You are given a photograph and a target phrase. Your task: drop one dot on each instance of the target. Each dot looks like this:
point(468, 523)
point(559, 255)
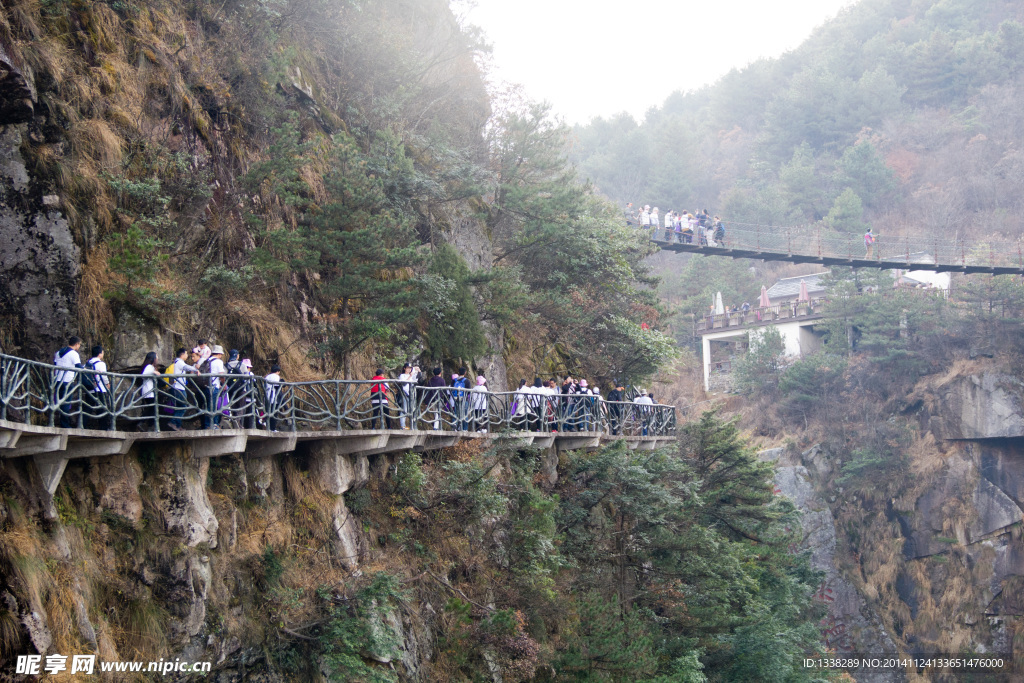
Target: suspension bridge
point(830, 248)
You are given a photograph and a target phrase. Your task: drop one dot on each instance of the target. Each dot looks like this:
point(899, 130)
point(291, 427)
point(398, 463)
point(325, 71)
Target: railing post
point(78, 394)
point(291, 411)
point(156, 405)
point(337, 403)
point(414, 407)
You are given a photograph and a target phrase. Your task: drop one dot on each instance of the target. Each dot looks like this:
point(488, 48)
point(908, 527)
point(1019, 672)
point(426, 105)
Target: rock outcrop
point(987, 405)
point(850, 625)
point(39, 260)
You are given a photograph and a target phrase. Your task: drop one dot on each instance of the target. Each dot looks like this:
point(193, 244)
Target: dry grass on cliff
point(94, 315)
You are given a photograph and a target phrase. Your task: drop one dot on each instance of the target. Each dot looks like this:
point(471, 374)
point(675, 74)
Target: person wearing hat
point(478, 399)
point(586, 403)
point(642, 401)
point(214, 397)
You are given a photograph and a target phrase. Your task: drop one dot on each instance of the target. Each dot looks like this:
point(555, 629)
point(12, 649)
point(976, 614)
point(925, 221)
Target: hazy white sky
point(599, 57)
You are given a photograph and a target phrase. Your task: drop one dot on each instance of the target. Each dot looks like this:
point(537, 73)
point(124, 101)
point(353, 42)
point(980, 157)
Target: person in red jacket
point(379, 401)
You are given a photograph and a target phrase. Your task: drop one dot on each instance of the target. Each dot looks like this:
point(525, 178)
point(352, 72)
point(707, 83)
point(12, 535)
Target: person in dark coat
point(615, 397)
point(434, 397)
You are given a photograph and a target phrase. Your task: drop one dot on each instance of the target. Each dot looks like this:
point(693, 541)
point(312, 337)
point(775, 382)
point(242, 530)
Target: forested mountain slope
point(263, 173)
point(898, 437)
point(901, 114)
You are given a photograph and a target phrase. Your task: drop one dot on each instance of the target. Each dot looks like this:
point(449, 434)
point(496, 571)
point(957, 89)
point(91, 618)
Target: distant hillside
point(902, 114)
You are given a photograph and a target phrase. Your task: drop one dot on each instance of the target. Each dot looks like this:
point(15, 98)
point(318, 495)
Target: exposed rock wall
point(850, 625)
point(188, 536)
point(986, 405)
point(39, 260)
point(958, 569)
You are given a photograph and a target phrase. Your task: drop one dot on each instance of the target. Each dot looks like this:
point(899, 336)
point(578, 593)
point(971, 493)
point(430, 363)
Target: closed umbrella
point(804, 294)
point(719, 308)
point(764, 302)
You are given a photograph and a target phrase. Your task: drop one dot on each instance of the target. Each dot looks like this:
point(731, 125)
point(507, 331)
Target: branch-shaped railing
point(823, 243)
point(39, 393)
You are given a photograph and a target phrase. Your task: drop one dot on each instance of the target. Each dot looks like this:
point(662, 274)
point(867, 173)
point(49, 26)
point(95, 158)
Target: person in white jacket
point(478, 401)
point(642, 401)
point(519, 405)
point(407, 383)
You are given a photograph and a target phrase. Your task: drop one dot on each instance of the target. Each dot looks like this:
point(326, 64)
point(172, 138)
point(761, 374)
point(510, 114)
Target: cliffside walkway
point(354, 416)
point(837, 249)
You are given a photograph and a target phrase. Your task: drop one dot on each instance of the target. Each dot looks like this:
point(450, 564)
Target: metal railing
point(790, 310)
point(39, 393)
point(824, 243)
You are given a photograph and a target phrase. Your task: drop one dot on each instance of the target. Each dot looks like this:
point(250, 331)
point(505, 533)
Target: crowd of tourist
point(574, 405)
point(683, 226)
point(201, 383)
point(218, 389)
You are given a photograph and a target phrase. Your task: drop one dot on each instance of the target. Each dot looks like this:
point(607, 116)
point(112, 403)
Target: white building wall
point(937, 280)
point(797, 336)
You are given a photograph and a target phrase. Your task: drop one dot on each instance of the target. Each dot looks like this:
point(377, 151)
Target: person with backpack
point(102, 408)
point(147, 392)
point(379, 401)
point(869, 244)
point(236, 389)
point(642, 402)
point(273, 382)
point(215, 398)
point(65, 390)
point(719, 235)
point(461, 407)
point(179, 387)
point(586, 405)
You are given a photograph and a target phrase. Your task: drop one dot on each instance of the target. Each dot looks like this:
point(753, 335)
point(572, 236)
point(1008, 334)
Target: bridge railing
point(37, 393)
point(760, 315)
point(831, 244)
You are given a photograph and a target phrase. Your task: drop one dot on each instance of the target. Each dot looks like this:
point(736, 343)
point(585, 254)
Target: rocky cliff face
point(39, 259)
point(939, 567)
point(174, 547)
